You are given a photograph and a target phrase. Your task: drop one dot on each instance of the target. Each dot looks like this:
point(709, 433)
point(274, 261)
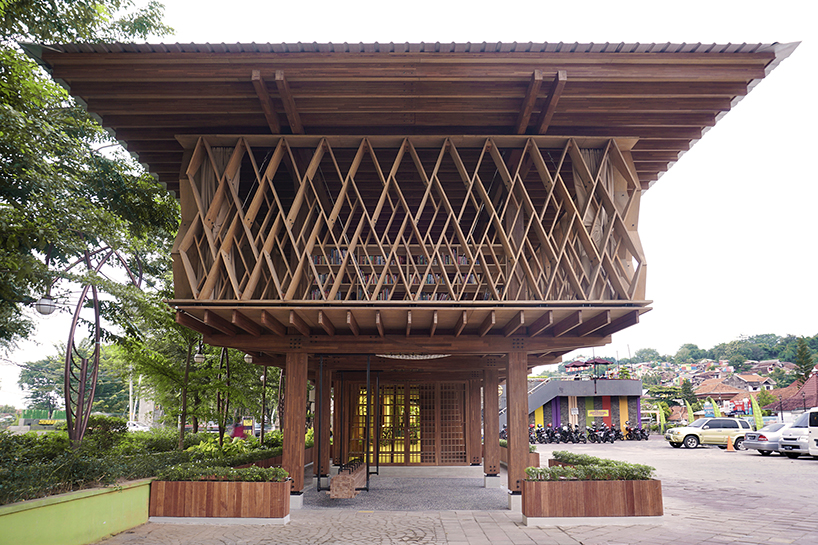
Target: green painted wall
point(76, 518)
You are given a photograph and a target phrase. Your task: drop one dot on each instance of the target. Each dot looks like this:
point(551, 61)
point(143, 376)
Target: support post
point(295, 419)
point(474, 422)
point(517, 420)
point(325, 381)
point(491, 423)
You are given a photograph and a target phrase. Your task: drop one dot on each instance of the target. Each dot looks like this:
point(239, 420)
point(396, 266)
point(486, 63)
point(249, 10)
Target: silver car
point(766, 439)
point(795, 441)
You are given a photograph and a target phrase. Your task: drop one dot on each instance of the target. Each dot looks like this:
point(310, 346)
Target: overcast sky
point(729, 232)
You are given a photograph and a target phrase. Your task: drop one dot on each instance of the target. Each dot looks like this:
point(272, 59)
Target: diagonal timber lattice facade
point(386, 220)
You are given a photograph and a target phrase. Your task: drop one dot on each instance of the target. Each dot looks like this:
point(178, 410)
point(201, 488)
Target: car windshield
point(772, 427)
point(801, 421)
point(698, 423)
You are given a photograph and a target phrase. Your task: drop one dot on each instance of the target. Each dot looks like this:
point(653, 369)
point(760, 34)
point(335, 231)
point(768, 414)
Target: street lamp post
point(804, 399)
point(780, 409)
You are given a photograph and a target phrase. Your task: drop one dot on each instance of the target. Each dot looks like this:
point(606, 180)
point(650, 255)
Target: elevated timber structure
point(408, 225)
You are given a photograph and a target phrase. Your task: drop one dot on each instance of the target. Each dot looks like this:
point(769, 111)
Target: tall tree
point(803, 361)
point(59, 194)
point(646, 354)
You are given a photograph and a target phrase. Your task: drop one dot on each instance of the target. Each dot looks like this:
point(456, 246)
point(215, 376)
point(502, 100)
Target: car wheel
point(738, 444)
point(691, 441)
point(792, 455)
point(765, 452)
point(676, 445)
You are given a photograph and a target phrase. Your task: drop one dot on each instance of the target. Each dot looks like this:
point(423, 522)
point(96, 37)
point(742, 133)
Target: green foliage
point(764, 398)
point(686, 392)
point(504, 444)
point(646, 354)
point(782, 378)
point(613, 471)
point(103, 432)
point(199, 472)
point(666, 394)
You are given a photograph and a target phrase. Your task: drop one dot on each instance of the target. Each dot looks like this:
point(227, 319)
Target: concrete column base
point(492, 481)
point(296, 501)
point(515, 502)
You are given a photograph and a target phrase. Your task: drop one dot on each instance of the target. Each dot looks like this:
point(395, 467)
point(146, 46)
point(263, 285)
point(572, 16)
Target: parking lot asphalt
point(711, 496)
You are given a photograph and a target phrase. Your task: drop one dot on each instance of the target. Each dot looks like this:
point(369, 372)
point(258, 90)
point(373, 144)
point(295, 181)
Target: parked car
point(765, 440)
point(813, 431)
point(709, 431)
point(133, 425)
point(795, 441)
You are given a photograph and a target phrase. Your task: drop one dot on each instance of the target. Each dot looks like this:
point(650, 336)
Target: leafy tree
point(689, 353)
point(666, 394)
point(687, 393)
point(803, 361)
point(647, 354)
point(59, 195)
point(782, 379)
point(42, 382)
point(765, 398)
point(624, 373)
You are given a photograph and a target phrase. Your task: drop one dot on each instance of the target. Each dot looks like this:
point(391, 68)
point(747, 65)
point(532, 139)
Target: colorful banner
point(598, 413)
point(759, 419)
point(690, 417)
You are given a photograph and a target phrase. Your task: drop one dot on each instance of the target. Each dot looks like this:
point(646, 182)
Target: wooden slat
point(514, 324)
point(433, 327)
point(628, 320)
point(266, 102)
point(528, 102)
point(289, 103)
point(218, 323)
point(487, 324)
point(589, 326)
point(189, 321)
point(567, 324)
point(246, 324)
point(379, 323)
point(408, 322)
point(352, 324)
point(325, 323)
point(272, 324)
point(551, 102)
point(462, 321)
point(299, 324)
point(541, 324)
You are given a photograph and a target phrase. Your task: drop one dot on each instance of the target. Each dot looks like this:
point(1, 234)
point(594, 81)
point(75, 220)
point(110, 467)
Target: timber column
point(491, 428)
point(474, 423)
point(295, 422)
point(517, 394)
point(324, 387)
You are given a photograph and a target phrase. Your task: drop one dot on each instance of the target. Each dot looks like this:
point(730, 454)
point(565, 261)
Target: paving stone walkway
point(710, 497)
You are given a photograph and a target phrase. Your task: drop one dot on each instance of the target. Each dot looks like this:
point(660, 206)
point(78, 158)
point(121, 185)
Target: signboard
point(708, 410)
point(598, 412)
point(575, 410)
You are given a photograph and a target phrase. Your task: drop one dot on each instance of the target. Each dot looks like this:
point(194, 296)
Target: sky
point(728, 232)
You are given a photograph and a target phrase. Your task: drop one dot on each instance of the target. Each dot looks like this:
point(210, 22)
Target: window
point(729, 424)
point(813, 419)
point(801, 421)
point(744, 424)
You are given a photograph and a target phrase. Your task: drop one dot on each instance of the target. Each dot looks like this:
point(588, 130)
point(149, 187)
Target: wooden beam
point(488, 323)
point(246, 324)
point(352, 324)
point(541, 324)
point(268, 321)
point(629, 319)
point(185, 319)
point(379, 323)
point(462, 321)
point(433, 327)
point(218, 323)
point(325, 322)
point(266, 102)
point(298, 323)
point(517, 417)
point(514, 324)
point(551, 102)
point(491, 422)
point(289, 103)
point(567, 324)
point(400, 344)
point(408, 322)
point(600, 320)
point(524, 116)
point(295, 399)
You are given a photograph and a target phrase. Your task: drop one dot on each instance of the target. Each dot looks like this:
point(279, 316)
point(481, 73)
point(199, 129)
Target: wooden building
point(408, 225)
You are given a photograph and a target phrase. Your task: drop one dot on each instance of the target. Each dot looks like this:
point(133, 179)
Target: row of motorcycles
point(596, 433)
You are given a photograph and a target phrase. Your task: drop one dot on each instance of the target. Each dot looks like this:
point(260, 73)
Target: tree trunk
point(183, 415)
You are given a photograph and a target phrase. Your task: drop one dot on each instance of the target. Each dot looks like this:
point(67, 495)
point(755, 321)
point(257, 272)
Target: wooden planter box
point(592, 499)
point(220, 499)
point(533, 458)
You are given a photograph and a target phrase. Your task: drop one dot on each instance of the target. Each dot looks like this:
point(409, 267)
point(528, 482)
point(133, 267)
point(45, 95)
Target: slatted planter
point(200, 500)
point(558, 499)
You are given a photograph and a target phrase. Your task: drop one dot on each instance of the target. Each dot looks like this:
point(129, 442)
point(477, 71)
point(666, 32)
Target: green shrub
point(504, 444)
point(309, 438)
point(103, 432)
point(273, 439)
point(589, 468)
point(199, 472)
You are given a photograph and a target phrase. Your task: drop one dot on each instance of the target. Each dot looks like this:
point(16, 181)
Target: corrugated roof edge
point(407, 47)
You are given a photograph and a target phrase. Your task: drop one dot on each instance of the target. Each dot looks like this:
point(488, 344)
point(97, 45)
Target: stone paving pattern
point(710, 497)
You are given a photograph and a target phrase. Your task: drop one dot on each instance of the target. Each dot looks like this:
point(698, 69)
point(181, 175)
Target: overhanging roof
point(667, 95)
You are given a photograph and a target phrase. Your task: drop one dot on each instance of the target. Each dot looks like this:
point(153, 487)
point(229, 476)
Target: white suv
point(795, 440)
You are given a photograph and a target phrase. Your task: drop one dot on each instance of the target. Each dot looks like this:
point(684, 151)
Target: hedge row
point(589, 468)
point(200, 472)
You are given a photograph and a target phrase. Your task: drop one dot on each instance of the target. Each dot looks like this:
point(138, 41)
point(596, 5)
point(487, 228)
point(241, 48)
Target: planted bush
point(589, 468)
point(531, 448)
point(200, 472)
